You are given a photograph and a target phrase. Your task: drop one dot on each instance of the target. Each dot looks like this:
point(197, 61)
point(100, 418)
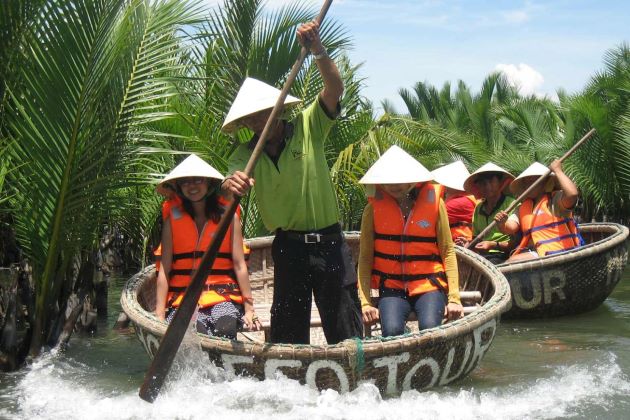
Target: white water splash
point(56, 387)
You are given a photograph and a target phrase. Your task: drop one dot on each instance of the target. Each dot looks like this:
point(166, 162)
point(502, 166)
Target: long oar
point(155, 376)
point(531, 187)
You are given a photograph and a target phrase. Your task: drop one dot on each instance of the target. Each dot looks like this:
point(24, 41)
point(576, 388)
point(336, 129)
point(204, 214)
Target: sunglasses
point(191, 180)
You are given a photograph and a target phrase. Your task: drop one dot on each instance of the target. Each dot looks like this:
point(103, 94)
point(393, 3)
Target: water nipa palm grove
point(102, 101)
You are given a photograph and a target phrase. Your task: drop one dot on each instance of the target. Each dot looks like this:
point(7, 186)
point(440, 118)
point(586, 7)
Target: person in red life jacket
point(406, 250)
point(459, 205)
point(545, 218)
point(488, 184)
point(226, 303)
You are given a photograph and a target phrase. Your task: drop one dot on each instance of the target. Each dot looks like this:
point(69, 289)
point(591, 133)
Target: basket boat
point(570, 282)
point(415, 360)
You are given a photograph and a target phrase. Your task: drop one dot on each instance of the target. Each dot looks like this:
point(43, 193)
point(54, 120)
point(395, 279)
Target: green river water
point(572, 367)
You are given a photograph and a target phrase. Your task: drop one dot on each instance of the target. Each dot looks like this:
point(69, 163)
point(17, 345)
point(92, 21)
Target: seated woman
point(459, 205)
point(487, 184)
point(226, 302)
point(406, 249)
point(545, 218)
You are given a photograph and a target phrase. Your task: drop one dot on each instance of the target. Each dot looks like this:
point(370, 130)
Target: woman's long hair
point(213, 208)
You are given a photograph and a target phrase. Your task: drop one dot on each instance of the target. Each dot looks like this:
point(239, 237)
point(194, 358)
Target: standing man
point(296, 199)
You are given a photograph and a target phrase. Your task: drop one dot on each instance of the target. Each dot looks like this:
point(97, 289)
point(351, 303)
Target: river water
point(574, 367)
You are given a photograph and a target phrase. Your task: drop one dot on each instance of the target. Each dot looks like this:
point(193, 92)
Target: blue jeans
point(393, 311)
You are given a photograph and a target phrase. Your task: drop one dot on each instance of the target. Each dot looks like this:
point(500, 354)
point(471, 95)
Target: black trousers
point(324, 270)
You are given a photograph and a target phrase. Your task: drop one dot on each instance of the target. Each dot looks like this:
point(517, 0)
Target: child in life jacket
point(545, 218)
point(193, 214)
point(487, 184)
point(460, 206)
point(406, 252)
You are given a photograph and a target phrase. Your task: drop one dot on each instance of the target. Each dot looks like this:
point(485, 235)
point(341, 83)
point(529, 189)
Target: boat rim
point(371, 346)
point(619, 235)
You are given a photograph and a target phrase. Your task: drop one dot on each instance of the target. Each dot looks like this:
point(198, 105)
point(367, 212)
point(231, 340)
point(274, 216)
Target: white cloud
point(523, 77)
point(516, 16)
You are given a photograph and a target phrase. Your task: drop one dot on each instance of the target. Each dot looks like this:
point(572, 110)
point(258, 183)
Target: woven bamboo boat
point(570, 282)
point(415, 360)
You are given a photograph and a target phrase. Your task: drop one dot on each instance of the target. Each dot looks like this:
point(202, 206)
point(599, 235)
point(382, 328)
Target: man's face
point(489, 186)
point(256, 122)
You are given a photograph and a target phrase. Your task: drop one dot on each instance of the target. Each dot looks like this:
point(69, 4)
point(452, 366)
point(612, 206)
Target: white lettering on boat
point(272, 365)
point(435, 372)
point(428, 371)
point(149, 341)
point(229, 360)
point(541, 286)
point(481, 345)
point(449, 362)
point(311, 373)
point(391, 362)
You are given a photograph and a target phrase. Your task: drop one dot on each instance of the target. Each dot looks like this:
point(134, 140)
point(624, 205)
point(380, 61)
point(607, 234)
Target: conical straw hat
point(193, 165)
point(528, 176)
point(452, 175)
point(469, 184)
point(252, 97)
point(396, 166)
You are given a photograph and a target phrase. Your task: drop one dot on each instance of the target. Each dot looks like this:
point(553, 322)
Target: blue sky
point(541, 45)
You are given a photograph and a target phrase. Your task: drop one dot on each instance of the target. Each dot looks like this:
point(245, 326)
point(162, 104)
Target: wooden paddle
point(521, 197)
point(163, 359)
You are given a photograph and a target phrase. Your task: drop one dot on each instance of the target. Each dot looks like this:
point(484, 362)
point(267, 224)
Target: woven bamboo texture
point(571, 282)
point(416, 360)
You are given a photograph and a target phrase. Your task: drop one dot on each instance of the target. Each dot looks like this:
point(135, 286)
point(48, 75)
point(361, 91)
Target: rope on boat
point(356, 355)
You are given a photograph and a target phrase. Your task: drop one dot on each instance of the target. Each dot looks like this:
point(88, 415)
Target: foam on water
point(57, 387)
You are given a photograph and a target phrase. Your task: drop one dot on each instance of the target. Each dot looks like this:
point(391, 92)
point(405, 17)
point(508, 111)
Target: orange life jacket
point(464, 228)
point(188, 248)
point(166, 209)
point(406, 253)
point(177, 201)
point(550, 234)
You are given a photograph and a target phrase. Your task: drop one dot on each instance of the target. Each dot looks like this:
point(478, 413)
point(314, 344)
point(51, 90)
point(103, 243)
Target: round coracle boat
point(415, 360)
point(570, 282)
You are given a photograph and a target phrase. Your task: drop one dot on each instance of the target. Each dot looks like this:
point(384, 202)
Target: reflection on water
point(574, 367)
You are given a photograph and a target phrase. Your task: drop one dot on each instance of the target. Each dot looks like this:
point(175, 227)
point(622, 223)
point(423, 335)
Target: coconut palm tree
point(93, 74)
point(602, 167)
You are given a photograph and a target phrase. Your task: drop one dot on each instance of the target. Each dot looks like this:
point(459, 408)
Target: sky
point(541, 46)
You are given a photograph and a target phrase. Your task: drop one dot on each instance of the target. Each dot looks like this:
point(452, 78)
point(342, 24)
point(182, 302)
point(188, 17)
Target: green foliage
point(93, 74)
point(100, 98)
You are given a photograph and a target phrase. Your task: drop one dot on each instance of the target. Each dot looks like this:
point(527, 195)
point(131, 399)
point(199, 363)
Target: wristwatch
point(322, 54)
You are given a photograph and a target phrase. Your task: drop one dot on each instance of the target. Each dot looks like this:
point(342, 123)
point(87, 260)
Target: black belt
point(310, 237)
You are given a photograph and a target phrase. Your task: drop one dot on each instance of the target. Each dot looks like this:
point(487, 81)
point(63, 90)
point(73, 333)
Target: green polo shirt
point(298, 193)
point(481, 220)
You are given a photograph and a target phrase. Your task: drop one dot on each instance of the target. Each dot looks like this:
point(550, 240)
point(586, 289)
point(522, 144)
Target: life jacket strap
point(393, 292)
point(223, 289)
point(548, 225)
point(406, 258)
point(405, 238)
point(218, 287)
point(212, 272)
point(199, 254)
point(557, 239)
point(407, 277)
